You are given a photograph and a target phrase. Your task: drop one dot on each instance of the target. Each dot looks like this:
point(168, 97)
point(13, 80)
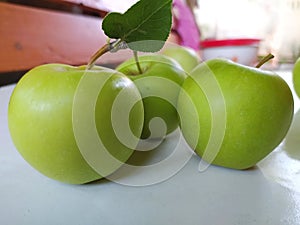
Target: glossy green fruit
point(42, 122)
point(296, 77)
point(159, 85)
point(186, 57)
point(237, 113)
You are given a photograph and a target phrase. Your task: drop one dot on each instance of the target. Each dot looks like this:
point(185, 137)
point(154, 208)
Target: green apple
point(42, 126)
point(185, 56)
point(296, 77)
point(159, 85)
point(238, 113)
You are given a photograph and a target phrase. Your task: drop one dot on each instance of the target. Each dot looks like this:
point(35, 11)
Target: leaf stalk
point(108, 47)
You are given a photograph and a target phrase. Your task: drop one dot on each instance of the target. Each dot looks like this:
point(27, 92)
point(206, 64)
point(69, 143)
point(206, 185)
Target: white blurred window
point(276, 22)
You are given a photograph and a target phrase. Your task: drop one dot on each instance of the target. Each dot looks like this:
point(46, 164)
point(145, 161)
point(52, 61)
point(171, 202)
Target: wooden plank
point(103, 5)
point(30, 37)
point(91, 4)
point(62, 6)
point(86, 6)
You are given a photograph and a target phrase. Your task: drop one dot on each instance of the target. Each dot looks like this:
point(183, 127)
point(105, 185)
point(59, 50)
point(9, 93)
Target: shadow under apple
point(292, 140)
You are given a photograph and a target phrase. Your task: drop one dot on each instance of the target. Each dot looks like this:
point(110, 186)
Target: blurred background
point(275, 23)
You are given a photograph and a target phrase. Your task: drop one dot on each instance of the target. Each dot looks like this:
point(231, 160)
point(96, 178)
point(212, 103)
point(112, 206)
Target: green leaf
point(144, 27)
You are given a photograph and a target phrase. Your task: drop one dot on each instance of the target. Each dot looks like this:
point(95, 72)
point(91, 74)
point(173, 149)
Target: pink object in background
point(185, 25)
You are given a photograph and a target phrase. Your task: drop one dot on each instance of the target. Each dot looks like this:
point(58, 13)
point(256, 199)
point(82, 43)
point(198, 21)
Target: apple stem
point(105, 48)
point(108, 47)
point(264, 60)
point(136, 58)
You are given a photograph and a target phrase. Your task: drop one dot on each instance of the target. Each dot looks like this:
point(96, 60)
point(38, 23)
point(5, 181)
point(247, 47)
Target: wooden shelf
point(31, 36)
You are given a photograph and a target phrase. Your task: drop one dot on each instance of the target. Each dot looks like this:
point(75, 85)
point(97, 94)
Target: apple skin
point(40, 120)
point(156, 66)
point(259, 110)
point(185, 56)
point(296, 77)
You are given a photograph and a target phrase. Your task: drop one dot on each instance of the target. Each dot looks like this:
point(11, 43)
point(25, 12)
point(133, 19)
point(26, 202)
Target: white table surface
point(266, 195)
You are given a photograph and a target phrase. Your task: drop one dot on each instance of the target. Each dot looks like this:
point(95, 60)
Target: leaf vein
point(146, 20)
